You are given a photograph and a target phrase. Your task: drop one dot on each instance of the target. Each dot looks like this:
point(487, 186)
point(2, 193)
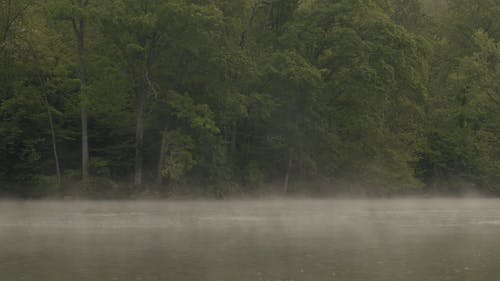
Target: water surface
point(345, 240)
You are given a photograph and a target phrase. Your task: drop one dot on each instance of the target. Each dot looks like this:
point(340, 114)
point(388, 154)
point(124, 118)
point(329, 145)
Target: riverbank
point(102, 188)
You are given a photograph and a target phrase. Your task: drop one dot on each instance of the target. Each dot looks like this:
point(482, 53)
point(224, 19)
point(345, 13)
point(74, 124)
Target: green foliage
point(410, 14)
point(179, 157)
point(390, 95)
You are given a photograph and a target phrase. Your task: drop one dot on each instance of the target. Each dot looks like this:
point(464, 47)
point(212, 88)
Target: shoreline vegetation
point(249, 98)
point(104, 189)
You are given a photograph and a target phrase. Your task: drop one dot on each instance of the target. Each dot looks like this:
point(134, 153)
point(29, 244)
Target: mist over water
point(437, 239)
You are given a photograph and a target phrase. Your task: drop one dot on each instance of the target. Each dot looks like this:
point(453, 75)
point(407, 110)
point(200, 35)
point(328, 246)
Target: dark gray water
point(345, 240)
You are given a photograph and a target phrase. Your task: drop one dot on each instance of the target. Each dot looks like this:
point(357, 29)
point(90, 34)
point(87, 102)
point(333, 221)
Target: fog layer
point(251, 240)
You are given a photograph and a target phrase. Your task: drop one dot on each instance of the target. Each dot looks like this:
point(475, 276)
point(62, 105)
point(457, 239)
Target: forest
point(123, 98)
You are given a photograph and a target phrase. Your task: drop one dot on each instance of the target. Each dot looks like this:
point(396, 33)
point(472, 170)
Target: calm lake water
point(345, 240)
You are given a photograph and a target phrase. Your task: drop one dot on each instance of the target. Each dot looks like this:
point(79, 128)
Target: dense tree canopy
point(217, 97)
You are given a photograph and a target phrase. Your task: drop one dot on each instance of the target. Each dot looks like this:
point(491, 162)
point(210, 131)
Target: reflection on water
point(349, 240)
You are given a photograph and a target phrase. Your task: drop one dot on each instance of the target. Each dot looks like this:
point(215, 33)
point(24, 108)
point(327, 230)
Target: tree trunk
point(54, 143)
point(287, 173)
point(139, 135)
point(51, 126)
point(85, 144)
point(79, 30)
point(161, 161)
point(144, 85)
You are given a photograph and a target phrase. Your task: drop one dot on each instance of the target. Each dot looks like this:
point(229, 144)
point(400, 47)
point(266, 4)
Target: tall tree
point(135, 26)
point(79, 28)
point(76, 12)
